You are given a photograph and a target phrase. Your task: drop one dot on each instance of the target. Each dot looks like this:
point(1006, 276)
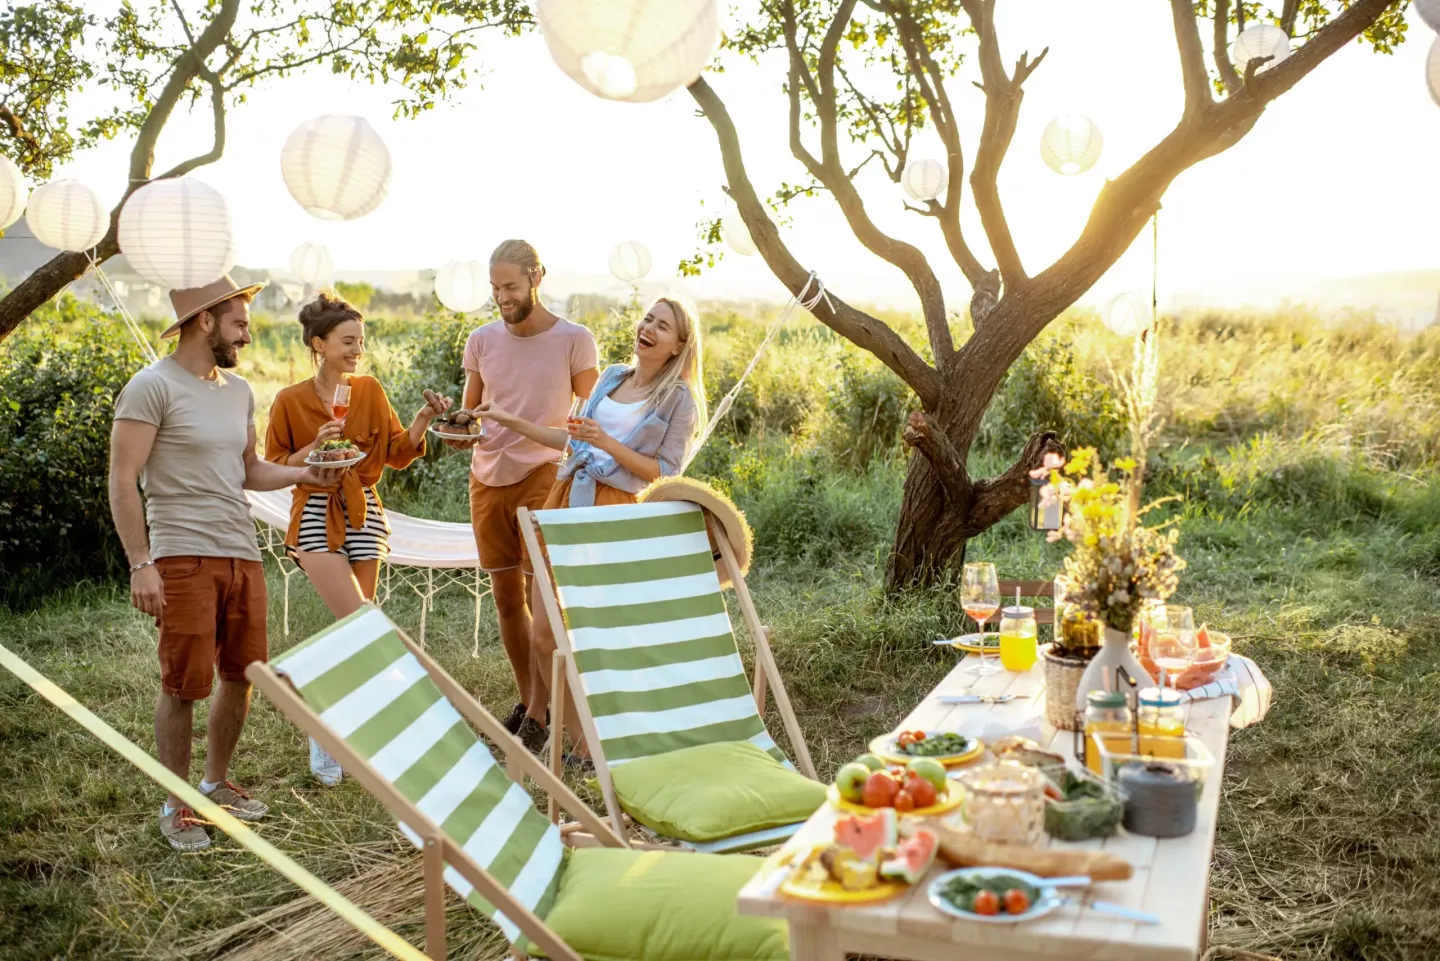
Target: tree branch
point(217, 149)
point(996, 497)
point(1221, 48)
point(854, 325)
point(1192, 58)
point(1288, 15)
point(923, 434)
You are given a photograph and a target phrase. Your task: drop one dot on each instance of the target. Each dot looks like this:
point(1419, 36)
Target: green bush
point(59, 377)
point(427, 356)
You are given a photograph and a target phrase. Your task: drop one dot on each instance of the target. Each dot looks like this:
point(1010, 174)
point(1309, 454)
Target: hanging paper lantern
point(66, 215)
point(737, 235)
point(924, 179)
point(1259, 41)
point(1071, 144)
point(1429, 11)
point(337, 168)
point(630, 261)
point(176, 233)
point(13, 192)
point(632, 50)
point(1432, 71)
point(313, 264)
point(463, 285)
point(1127, 314)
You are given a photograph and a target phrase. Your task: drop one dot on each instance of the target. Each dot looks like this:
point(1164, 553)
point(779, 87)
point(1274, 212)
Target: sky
point(1330, 183)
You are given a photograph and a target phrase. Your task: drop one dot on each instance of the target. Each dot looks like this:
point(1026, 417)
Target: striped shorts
point(370, 544)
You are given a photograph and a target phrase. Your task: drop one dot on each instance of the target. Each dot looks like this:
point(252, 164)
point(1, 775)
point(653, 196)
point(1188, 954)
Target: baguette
point(963, 850)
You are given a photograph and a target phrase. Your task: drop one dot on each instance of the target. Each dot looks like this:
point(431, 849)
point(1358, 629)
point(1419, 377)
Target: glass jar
point(1106, 713)
point(1161, 721)
point(1018, 647)
point(1077, 633)
point(1005, 803)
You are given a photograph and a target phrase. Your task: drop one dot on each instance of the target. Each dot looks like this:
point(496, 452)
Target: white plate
point(462, 438)
point(335, 464)
point(1047, 900)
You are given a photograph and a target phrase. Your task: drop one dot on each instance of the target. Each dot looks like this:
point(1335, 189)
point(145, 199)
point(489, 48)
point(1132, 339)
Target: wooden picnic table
point(1171, 877)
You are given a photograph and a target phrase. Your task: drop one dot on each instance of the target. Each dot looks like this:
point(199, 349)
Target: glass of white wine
point(1176, 644)
point(980, 599)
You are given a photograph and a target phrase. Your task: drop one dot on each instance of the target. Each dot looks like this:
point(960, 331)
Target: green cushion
point(618, 904)
point(714, 791)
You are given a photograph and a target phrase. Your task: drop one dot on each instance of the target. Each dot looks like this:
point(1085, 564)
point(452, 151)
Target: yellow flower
point(1126, 463)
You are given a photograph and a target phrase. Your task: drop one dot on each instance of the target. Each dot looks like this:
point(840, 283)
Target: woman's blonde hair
point(687, 366)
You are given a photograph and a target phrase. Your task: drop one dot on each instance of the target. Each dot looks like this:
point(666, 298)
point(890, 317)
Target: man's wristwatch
point(142, 566)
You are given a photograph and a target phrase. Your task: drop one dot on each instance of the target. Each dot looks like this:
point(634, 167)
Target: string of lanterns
point(924, 179)
point(66, 215)
point(13, 192)
point(1071, 144)
point(177, 233)
point(1257, 42)
point(463, 285)
point(630, 261)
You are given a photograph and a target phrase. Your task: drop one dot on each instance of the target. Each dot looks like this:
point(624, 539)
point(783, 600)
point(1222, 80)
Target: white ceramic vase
point(1100, 673)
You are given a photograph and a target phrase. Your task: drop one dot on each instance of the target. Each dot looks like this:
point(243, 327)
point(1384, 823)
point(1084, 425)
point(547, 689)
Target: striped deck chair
point(643, 635)
point(398, 723)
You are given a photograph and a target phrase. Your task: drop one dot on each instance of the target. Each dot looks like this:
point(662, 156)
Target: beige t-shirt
point(194, 479)
point(529, 377)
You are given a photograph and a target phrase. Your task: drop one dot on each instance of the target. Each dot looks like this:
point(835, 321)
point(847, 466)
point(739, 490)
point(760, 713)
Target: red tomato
point(880, 790)
point(903, 801)
point(986, 903)
point(922, 791)
point(1016, 902)
point(918, 735)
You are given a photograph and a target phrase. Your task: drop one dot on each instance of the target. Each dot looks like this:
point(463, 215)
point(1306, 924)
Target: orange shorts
point(213, 618)
point(604, 496)
point(492, 515)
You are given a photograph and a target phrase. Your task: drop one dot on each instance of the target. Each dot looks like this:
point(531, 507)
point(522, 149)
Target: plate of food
point(335, 453)
point(987, 643)
point(867, 785)
point(460, 425)
point(866, 862)
point(947, 747)
point(993, 895)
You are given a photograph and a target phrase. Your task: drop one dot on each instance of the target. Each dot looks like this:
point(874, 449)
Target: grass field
point(1312, 529)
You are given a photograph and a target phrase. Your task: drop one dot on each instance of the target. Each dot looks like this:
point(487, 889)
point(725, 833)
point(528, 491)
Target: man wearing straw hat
point(185, 429)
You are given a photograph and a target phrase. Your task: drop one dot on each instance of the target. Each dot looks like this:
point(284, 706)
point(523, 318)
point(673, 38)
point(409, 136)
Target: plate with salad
point(335, 453)
point(947, 747)
point(993, 895)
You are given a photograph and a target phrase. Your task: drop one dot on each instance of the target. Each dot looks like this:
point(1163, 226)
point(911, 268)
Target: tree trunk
point(929, 533)
point(49, 279)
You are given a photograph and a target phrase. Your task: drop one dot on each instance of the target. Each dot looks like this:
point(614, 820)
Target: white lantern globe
point(1429, 11)
point(336, 167)
point(924, 179)
point(1127, 314)
point(1071, 144)
point(632, 50)
point(1257, 42)
point(737, 235)
point(463, 285)
point(313, 264)
point(1432, 71)
point(13, 192)
point(630, 261)
point(176, 233)
point(66, 215)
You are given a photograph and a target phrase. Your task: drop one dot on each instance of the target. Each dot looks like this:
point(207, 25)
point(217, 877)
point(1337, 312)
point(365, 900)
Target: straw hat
point(191, 301)
point(716, 506)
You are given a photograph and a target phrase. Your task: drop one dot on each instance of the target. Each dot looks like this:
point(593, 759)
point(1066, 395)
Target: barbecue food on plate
point(459, 422)
point(334, 450)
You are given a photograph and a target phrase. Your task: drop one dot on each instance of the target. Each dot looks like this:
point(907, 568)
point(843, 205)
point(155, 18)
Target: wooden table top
point(1171, 876)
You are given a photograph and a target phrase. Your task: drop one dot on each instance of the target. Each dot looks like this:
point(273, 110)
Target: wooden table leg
point(814, 942)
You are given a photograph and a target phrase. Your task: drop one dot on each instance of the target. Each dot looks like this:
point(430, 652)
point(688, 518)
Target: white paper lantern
point(1071, 144)
point(1127, 314)
point(177, 233)
point(1429, 11)
point(13, 192)
point(313, 264)
point(1258, 41)
point(630, 261)
point(924, 179)
point(463, 285)
point(337, 168)
point(737, 235)
point(632, 50)
point(1432, 71)
point(66, 215)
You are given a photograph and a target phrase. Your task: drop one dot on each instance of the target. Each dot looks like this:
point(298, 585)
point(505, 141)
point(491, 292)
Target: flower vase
point(1100, 674)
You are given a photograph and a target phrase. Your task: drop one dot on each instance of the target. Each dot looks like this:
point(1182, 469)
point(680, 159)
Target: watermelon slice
point(1203, 635)
point(867, 835)
point(912, 858)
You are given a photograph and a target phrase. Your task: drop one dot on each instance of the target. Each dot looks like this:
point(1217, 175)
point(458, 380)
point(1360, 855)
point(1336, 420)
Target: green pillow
point(714, 791)
point(619, 904)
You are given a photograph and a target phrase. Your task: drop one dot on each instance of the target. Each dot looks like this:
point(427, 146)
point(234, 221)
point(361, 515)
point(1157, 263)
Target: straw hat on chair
point(718, 508)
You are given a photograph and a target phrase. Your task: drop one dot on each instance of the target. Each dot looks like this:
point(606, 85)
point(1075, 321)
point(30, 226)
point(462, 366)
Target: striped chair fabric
point(647, 623)
point(363, 682)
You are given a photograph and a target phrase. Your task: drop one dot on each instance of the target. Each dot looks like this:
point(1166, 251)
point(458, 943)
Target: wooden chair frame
point(566, 676)
point(438, 848)
point(1043, 615)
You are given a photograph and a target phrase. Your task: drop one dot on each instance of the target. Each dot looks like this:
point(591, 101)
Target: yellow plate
point(948, 801)
point(800, 885)
point(883, 747)
point(966, 643)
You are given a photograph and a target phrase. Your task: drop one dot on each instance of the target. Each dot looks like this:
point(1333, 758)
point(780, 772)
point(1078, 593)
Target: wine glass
point(340, 404)
point(577, 410)
point(980, 599)
point(1176, 644)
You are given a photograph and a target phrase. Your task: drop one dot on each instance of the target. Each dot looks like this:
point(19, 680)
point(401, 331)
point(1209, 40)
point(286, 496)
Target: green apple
point(930, 769)
point(850, 781)
point(870, 761)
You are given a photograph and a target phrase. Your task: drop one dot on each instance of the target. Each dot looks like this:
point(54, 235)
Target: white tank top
point(618, 420)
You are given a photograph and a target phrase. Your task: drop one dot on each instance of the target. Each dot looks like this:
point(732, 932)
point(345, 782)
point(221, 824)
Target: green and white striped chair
point(673, 725)
point(398, 723)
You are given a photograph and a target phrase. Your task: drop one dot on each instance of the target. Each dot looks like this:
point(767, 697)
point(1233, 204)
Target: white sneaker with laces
point(325, 768)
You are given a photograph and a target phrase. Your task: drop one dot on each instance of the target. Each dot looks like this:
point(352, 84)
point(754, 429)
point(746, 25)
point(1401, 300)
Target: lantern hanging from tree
point(337, 168)
point(1432, 70)
point(924, 179)
point(737, 235)
point(1127, 314)
point(177, 233)
point(1258, 42)
point(13, 192)
point(1429, 11)
point(631, 50)
point(1071, 144)
point(313, 264)
point(66, 215)
point(630, 261)
point(463, 285)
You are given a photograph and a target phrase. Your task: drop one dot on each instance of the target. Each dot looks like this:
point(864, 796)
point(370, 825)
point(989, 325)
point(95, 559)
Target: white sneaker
point(325, 768)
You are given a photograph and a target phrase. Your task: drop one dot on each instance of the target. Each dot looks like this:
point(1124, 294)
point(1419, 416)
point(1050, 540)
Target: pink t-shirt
point(529, 377)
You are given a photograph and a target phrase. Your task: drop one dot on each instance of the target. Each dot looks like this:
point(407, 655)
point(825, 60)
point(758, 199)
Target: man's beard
point(226, 355)
point(522, 312)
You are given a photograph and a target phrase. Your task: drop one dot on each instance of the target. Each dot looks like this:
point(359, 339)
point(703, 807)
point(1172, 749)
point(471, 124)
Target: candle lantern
point(1044, 516)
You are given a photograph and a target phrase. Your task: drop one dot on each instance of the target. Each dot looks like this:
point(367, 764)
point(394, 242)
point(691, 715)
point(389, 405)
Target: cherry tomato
point(904, 801)
point(986, 903)
point(918, 735)
point(1016, 902)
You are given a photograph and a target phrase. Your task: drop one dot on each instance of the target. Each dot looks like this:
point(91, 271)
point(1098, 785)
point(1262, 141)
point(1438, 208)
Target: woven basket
point(1062, 677)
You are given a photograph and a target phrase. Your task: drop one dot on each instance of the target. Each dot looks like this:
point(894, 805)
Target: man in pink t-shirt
point(532, 364)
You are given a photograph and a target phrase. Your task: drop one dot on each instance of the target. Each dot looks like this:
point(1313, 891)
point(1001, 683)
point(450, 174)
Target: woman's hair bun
point(324, 314)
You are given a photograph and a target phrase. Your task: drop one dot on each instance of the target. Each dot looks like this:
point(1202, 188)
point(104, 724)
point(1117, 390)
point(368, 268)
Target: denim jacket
point(664, 433)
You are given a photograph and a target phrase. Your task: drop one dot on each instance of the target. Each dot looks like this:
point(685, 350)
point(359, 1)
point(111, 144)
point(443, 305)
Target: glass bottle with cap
point(1018, 646)
point(1161, 722)
point(1107, 713)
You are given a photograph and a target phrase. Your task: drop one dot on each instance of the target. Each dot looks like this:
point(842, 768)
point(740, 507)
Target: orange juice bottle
point(1106, 713)
point(1018, 648)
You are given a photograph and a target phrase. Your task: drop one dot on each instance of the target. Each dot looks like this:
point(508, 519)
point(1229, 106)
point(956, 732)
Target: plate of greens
point(947, 747)
point(993, 895)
